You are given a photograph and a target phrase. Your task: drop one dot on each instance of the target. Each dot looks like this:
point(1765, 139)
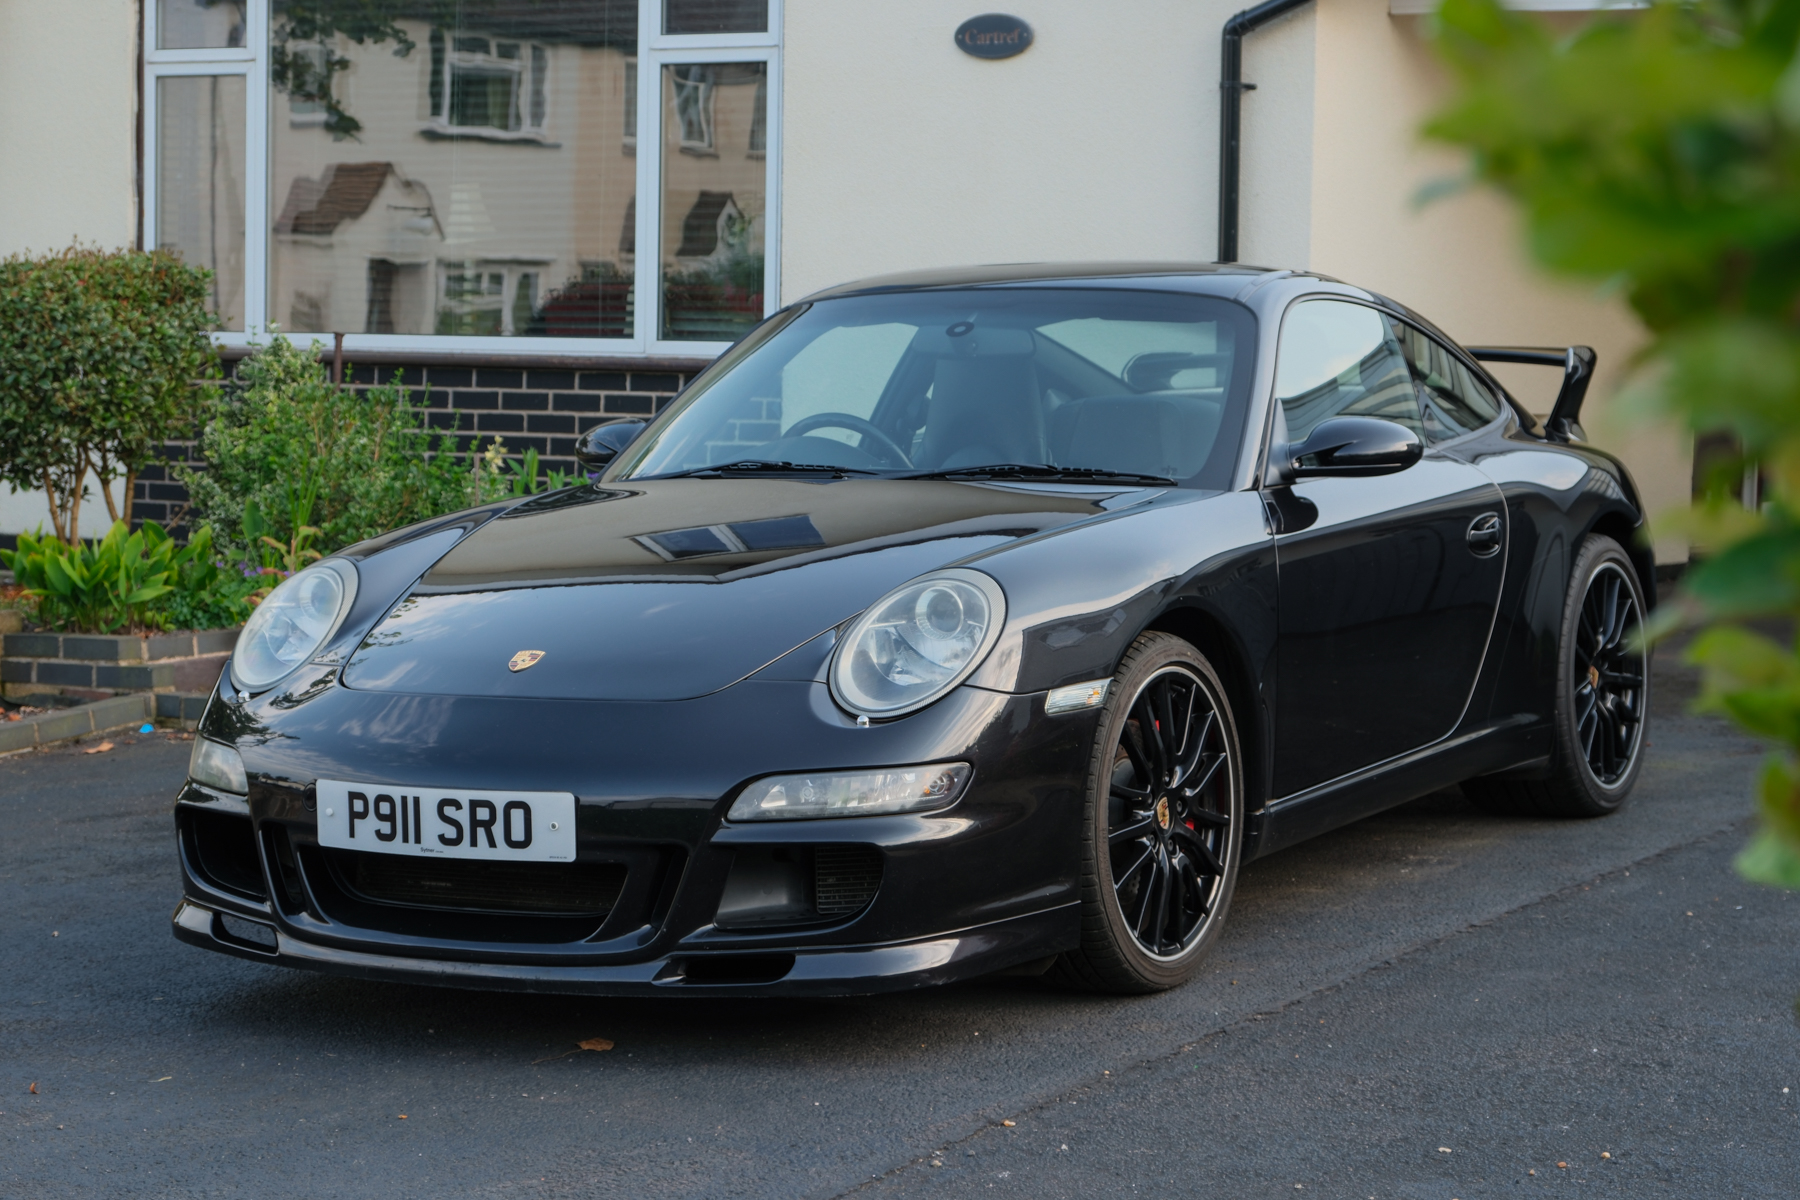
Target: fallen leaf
point(584, 1044)
point(34, 1090)
point(1562, 1166)
point(164, 1079)
point(1604, 1154)
point(102, 748)
point(1009, 1124)
point(403, 1116)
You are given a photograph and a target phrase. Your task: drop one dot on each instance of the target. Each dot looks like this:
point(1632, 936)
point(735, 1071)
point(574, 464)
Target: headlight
point(850, 793)
point(290, 625)
point(917, 642)
point(218, 766)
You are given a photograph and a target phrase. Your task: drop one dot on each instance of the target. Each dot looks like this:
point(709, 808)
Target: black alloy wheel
point(1162, 822)
point(1608, 678)
point(1602, 698)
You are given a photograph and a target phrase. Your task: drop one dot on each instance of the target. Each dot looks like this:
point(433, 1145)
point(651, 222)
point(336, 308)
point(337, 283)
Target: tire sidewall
point(1597, 553)
point(1148, 656)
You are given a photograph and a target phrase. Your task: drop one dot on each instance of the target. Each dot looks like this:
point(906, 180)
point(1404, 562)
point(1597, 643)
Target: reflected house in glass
point(474, 179)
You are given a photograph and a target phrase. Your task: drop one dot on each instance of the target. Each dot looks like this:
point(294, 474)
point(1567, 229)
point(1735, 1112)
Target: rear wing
point(1577, 363)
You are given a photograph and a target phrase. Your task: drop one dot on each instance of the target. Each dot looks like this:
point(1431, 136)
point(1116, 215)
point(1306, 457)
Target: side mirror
point(596, 448)
point(1352, 446)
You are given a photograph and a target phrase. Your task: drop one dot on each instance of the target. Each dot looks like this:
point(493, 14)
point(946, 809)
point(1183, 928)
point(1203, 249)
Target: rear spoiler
point(1577, 363)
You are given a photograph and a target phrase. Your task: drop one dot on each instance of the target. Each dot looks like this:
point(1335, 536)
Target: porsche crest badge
point(523, 659)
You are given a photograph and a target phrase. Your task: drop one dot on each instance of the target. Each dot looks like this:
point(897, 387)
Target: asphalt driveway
point(1433, 1003)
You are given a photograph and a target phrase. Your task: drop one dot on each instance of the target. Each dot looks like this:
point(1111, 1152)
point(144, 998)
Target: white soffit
point(1414, 8)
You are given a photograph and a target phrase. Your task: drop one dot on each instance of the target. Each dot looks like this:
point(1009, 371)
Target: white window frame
point(655, 50)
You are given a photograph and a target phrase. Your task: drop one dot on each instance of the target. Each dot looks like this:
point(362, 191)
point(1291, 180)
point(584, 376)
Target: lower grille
point(542, 889)
point(844, 878)
point(222, 849)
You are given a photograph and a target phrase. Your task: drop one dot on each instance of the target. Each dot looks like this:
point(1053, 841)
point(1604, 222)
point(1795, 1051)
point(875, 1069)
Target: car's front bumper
point(990, 883)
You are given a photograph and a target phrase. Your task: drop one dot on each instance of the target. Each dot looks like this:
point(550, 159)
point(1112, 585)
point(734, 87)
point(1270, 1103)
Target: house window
point(693, 107)
point(418, 176)
point(493, 85)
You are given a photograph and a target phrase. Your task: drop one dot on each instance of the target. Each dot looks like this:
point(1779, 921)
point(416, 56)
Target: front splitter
point(864, 970)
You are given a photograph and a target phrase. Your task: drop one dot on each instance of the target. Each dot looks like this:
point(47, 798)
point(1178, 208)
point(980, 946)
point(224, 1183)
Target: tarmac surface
point(1433, 1003)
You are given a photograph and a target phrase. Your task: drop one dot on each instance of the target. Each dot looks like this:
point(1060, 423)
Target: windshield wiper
point(1042, 471)
point(763, 466)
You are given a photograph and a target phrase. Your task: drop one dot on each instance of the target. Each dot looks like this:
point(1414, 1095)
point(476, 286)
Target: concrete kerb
point(119, 712)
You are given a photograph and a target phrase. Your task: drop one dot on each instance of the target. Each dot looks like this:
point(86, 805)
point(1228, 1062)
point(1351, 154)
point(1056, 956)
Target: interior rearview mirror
point(1352, 446)
point(596, 448)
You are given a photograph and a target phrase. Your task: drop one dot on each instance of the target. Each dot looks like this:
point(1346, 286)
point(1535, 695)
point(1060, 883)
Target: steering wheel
point(838, 420)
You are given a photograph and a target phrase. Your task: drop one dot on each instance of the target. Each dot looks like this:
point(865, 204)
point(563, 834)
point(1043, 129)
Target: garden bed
point(95, 666)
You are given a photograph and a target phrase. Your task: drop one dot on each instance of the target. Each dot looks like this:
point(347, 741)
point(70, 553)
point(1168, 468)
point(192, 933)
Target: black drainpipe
point(1231, 95)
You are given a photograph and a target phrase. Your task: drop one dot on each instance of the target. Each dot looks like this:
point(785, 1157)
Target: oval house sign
point(993, 35)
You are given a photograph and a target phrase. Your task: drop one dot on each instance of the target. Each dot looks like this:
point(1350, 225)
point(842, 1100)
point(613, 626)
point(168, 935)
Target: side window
point(1454, 401)
point(1339, 359)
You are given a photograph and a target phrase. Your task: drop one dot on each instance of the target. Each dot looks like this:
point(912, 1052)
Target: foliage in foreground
point(297, 466)
point(128, 581)
point(1659, 151)
point(103, 357)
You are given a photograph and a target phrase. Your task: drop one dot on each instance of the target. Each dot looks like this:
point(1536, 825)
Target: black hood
point(672, 589)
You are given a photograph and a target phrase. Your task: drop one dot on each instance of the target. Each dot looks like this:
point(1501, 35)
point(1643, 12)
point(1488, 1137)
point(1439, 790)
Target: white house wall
point(1275, 195)
point(901, 151)
point(68, 123)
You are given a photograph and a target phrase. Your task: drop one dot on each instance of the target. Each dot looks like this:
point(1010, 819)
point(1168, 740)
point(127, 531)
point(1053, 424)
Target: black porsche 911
point(948, 624)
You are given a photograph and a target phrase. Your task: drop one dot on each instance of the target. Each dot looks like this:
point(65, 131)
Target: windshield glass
point(910, 383)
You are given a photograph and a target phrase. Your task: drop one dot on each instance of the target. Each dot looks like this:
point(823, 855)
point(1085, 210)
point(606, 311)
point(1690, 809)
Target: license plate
point(386, 819)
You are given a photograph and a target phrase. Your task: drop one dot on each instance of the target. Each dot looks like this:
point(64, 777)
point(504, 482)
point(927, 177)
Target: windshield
point(1053, 380)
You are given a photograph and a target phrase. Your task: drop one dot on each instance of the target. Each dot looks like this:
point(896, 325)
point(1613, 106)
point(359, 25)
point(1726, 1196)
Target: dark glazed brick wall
point(528, 408)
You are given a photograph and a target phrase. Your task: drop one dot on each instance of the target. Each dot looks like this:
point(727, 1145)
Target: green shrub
point(100, 355)
point(131, 581)
point(287, 450)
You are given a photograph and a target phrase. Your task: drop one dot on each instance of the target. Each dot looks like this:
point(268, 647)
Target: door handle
point(1485, 535)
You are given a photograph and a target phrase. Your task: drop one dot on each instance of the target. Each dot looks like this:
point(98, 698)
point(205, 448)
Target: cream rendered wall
point(1275, 161)
point(1460, 261)
point(68, 151)
point(899, 151)
point(68, 140)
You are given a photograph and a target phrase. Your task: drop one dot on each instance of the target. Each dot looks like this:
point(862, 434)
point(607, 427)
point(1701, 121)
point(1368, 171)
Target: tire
point(1602, 697)
point(1159, 863)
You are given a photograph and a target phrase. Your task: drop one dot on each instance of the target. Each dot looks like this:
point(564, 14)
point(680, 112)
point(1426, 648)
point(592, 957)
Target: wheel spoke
point(1192, 879)
point(1193, 752)
point(1150, 744)
point(1129, 793)
point(1206, 777)
point(1207, 817)
point(1204, 852)
point(1140, 829)
point(1166, 733)
point(1132, 743)
point(1171, 909)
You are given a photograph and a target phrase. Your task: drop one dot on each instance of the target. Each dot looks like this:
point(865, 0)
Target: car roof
point(1211, 278)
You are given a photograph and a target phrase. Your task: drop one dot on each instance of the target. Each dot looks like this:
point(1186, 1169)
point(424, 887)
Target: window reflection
point(713, 199)
point(199, 24)
point(1340, 359)
point(715, 16)
point(453, 169)
point(200, 182)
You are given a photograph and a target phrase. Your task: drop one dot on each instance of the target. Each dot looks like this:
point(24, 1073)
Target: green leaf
point(1768, 859)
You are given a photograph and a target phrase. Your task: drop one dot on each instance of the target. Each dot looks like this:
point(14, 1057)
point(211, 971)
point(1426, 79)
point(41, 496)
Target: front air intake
point(845, 878)
point(544, 889)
